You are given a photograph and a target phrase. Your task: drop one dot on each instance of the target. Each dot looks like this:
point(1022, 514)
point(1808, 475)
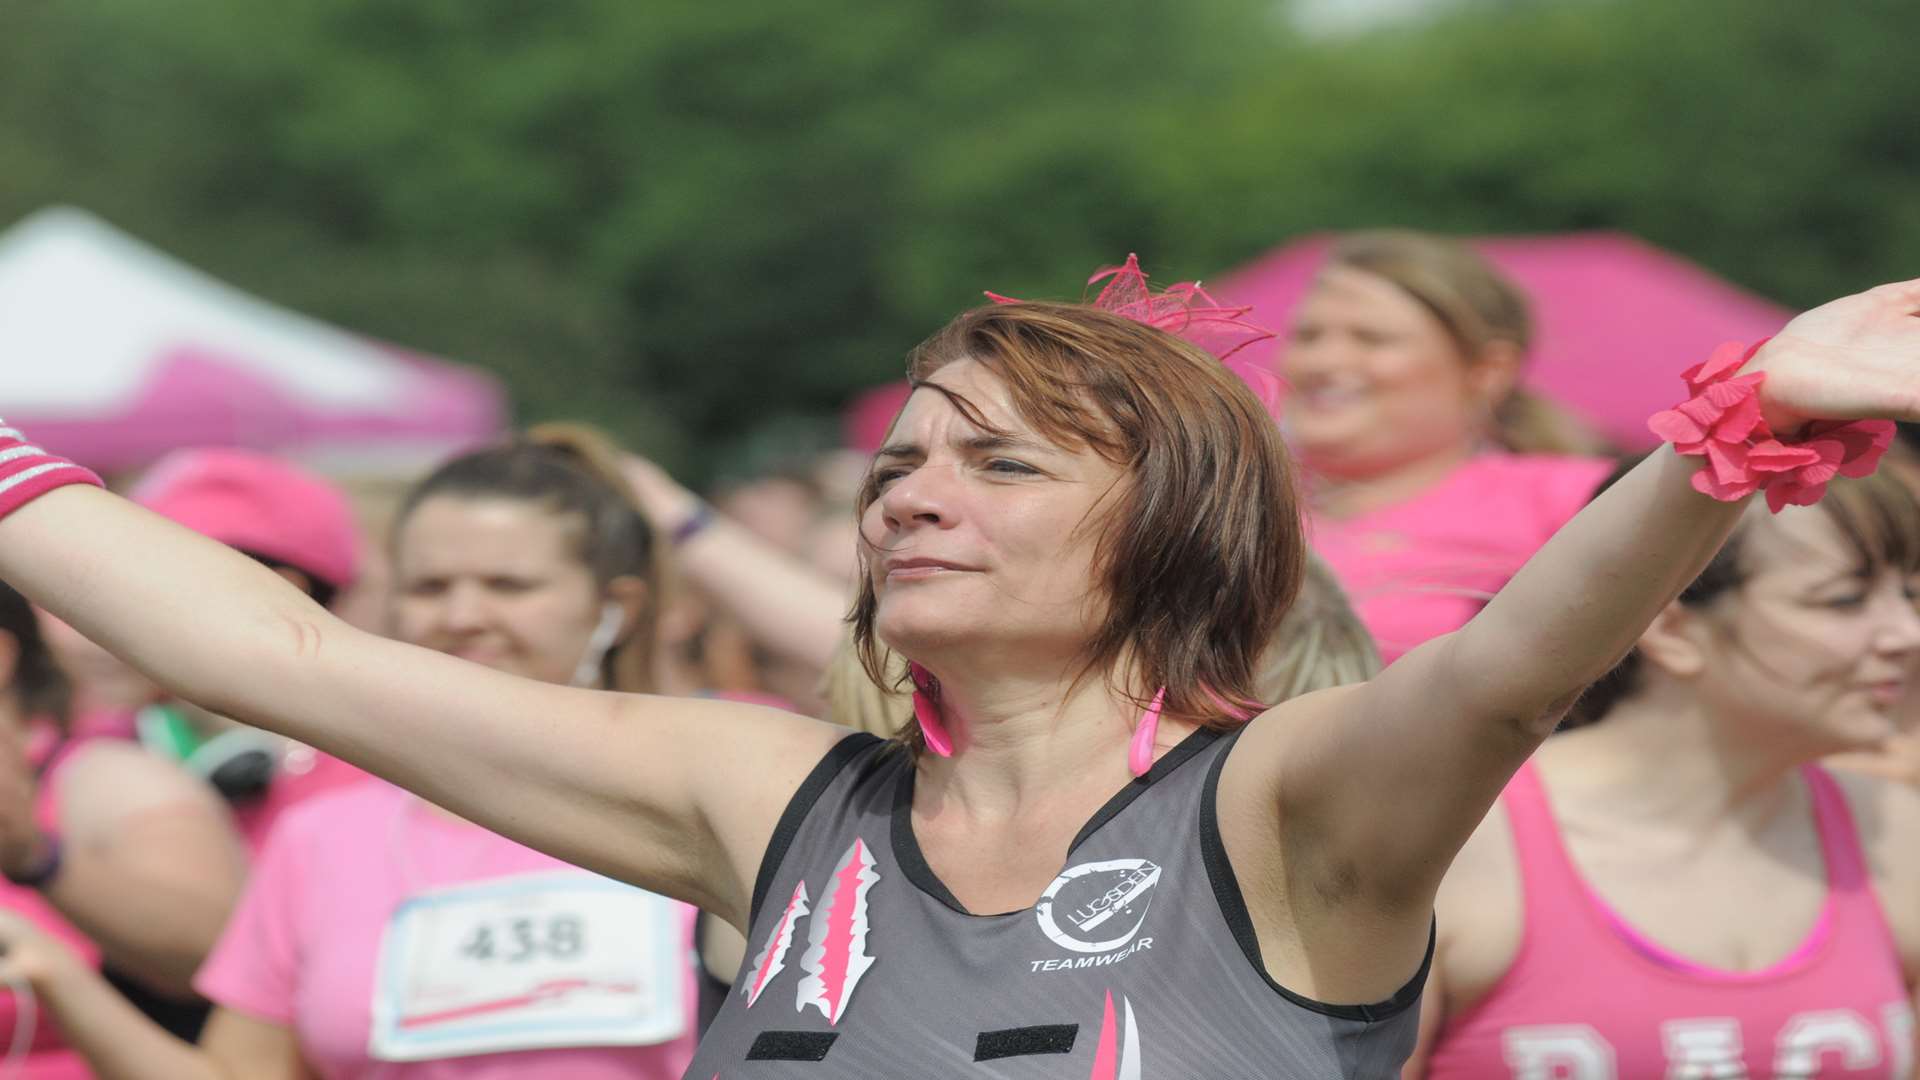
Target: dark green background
point(703, 224)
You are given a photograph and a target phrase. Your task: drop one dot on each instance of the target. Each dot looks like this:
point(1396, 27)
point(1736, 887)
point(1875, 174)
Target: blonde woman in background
point(1431, 474)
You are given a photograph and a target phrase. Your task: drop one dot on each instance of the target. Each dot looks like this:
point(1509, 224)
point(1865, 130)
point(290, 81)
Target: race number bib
point(536, 961)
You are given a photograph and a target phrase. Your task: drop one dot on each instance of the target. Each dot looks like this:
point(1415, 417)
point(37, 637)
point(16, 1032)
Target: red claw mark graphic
point(1117, 1055)
point(1106, 1051)
point(773, 959)
point(836, 955)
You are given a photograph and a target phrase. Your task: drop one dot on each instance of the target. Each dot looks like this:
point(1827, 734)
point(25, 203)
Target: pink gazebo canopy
point(1616, 319)
point(113, 353)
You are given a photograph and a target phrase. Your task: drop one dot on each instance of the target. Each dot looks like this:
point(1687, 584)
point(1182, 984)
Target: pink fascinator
point(1188, 313)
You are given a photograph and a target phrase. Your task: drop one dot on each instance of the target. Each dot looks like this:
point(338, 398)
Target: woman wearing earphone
point(383, 937)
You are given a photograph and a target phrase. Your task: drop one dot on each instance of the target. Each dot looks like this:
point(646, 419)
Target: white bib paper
point(534, 961)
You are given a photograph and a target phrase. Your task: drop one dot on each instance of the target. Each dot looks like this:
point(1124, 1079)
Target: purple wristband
point(694, 525)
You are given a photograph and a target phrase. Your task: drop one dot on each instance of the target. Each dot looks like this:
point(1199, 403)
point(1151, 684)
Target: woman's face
point(1376, 380)
point(982, 545)
point(1809, 643)
point(495, 581)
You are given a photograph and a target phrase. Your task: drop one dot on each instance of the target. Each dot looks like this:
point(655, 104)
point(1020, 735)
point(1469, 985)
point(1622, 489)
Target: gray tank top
point(1138, 963)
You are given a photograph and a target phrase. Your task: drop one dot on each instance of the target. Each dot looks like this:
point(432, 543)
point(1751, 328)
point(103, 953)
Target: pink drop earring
point(1140, 751)
point(926, 710)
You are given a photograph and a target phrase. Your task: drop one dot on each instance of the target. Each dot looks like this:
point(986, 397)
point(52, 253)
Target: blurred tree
point(683, 218)
point(691, 220)
point(1773, 144)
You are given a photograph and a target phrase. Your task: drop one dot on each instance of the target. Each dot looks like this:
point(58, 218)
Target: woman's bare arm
point(677, 796)
point(788, 606)
point(118, 1041)
point(122, 1044)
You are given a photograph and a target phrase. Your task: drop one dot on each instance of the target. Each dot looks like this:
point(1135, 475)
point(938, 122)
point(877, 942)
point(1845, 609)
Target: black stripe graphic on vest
point(791, 1045)
point(1022, 1041)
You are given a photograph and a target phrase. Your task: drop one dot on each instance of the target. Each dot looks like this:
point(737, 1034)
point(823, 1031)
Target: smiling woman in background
point(1431, 473)
point(381, 936)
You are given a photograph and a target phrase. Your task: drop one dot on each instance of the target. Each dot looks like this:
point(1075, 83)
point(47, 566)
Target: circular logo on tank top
point(1097, 907)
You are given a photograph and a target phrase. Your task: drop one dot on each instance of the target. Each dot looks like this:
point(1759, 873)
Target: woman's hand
point(30, 954)
point(1855, 358)
point(666, 503)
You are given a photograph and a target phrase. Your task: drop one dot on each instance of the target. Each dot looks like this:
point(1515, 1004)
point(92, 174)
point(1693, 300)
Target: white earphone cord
point(605, 633)
point(25, 1015)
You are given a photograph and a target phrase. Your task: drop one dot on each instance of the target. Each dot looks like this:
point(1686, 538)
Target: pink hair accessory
point(1140, 750)
point(28, 472)
point(1722, 423)
point(926, 710)
point(1187, 312)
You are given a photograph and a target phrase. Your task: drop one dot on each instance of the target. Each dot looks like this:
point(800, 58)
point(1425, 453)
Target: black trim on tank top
point(1233, 905)
point(906, 846)
point(1171, 760)
point(795, 814)
point(712, 991)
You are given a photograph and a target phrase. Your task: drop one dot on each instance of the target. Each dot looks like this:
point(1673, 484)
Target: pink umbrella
point(864, 422)
point(1616, 319)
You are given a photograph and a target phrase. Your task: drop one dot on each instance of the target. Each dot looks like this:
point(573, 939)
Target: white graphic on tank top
point(1116, 1055)
point(1097, 907)
point(773, 959)
point(836, 956)
point(1897, 1019)
point(1805, 1044)
point(1810, 1044)
point(1704, 1048)
point(1557, 1052)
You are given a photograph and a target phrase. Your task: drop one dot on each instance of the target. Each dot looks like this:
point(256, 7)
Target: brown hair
point(572, 470)
point(38, 683)
point(1878, 517)
point(1478, 306)
point(1200, 553)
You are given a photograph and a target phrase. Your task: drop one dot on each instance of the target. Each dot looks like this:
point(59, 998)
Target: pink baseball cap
point(258, 504)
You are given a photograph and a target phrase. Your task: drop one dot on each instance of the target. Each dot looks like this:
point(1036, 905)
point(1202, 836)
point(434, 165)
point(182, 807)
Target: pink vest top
point(1588, 998)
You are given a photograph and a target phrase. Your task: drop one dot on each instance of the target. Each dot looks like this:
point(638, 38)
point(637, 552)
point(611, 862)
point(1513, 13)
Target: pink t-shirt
point(303, 774)
point(48, 1057)
point(1423, 567)
point(303, 946)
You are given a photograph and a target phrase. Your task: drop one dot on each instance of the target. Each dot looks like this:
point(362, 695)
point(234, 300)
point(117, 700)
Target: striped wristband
point(28, 472)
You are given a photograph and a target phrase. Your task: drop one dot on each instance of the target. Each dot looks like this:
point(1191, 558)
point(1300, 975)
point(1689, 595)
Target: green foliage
point(689, 221)
point(1773, 143)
